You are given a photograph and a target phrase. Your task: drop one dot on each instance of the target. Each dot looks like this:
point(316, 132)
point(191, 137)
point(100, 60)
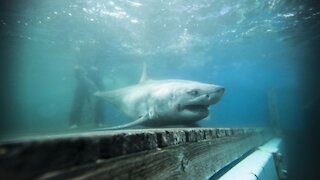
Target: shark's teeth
point(197, 108)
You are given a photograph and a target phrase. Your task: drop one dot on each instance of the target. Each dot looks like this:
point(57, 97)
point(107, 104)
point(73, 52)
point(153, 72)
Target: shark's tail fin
point(109, 95)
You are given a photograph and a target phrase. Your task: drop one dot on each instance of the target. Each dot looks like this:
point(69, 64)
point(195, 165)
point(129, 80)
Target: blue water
point(249, 47)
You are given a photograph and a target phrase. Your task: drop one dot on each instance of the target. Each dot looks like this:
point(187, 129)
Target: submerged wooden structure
point(175, 153)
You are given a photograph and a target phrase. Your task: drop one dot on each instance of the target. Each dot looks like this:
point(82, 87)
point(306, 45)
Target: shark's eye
point(193, 92)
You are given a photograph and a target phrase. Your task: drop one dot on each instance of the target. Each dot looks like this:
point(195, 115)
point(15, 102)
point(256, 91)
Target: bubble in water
point(134, 21)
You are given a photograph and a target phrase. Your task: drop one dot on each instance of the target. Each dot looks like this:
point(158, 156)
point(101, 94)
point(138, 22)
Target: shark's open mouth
point(197, 108)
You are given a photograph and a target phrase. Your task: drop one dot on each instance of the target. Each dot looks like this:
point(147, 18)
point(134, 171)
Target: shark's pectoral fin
point(134, 123)
point(152, 113)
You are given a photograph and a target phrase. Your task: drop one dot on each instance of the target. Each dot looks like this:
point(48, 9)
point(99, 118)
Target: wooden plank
point(150, 153)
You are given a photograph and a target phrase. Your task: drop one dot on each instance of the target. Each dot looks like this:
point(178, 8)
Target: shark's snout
point(216, 95)
point(220, 90)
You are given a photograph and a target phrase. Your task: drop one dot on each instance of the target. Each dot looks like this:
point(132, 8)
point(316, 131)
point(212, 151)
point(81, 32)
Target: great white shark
point(156, 103)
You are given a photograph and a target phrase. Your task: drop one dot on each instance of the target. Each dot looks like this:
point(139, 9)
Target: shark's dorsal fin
point(144, 76)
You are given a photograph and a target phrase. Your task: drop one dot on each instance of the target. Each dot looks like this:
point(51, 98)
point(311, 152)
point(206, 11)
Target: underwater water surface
point(251, 48)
